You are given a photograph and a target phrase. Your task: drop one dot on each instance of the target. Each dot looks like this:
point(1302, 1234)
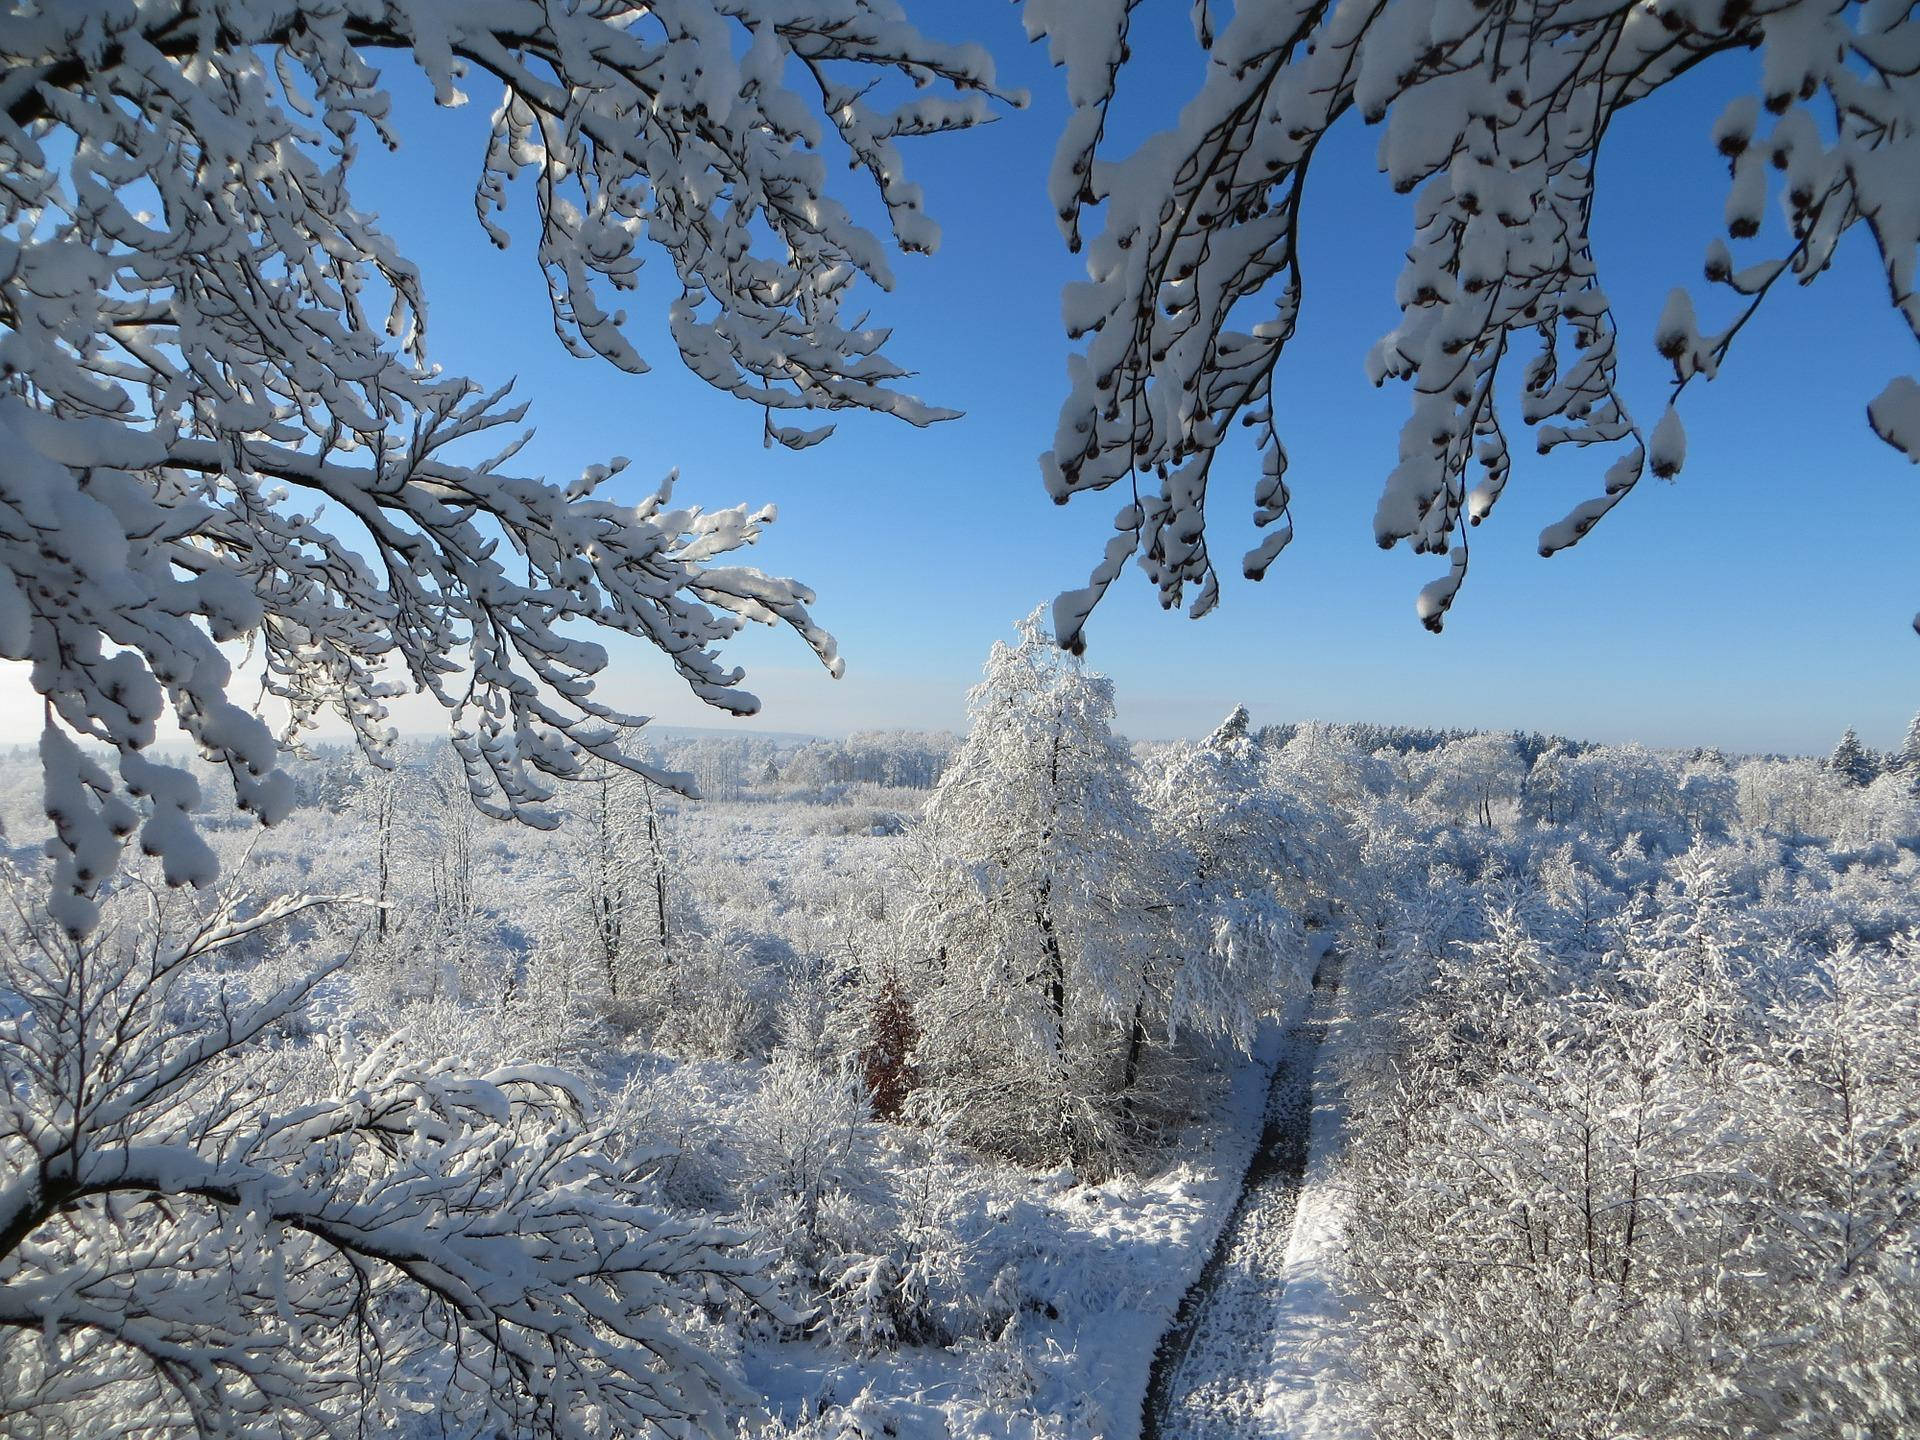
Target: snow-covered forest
point(904, 1087)
point(543, 1072)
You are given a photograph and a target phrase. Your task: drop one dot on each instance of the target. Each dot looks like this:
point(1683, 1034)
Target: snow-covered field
point(921, 1134)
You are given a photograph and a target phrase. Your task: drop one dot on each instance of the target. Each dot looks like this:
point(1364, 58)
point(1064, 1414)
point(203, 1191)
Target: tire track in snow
point(1209, 1376)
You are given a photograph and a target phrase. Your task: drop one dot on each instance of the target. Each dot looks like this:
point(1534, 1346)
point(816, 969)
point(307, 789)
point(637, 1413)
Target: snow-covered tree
point(448, 837)
point(905, 758)
point(1906, 760)
point(1031, 920)
point(206, 1230)
point(892, 1034)
point(1544, 794)
point(1231, 858)
point(1794, 796)
point(1708, 796)
point(380, 800)
point(1616, 790)
point(1494, 116)
point(1696, 956)
point(1469, 778)
point(205, 342)
point(1852, 762)
point(616, 896)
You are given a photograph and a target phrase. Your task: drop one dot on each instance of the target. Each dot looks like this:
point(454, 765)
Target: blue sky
point(1761, 602)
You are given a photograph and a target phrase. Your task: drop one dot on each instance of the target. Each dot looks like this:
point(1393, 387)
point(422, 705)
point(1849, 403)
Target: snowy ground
point(1251, 1335)
point(1112, 1262)
point(1305, 1381)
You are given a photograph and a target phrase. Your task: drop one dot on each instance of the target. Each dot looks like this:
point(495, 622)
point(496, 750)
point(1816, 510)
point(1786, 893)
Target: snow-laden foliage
point(1062, 944)
point(1633, 1148)
point(1493, 117)
point(1613, 1010)
point(205, 1228)
point(1851, 762)
point(1906, 760)
point(1231, 859)
point(1031, 915)
point(222, 423)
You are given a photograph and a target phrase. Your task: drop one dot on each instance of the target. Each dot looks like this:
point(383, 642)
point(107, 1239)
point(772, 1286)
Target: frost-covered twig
point(1493, 116)
point(222, 422)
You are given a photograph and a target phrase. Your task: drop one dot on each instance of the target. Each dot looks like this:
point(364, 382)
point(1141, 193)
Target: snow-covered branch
point(224, 1239)
point(1493, 117)
point(205, 345)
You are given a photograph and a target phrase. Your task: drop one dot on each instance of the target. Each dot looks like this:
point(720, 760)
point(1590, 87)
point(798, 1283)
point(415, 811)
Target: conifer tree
point(1906, 760)
point(1851, 762)
point(892, 1033)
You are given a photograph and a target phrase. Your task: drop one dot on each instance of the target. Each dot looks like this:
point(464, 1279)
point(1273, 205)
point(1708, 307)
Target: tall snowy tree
point(1032, 919)
point(205, 342)
point(1494, 116)
point(616, 895)
point(1906, 760)
point(1230, 851)
point(1851, 762)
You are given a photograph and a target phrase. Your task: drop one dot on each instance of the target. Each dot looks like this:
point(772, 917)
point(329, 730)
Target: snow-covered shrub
point(872, 1226)
point(804, 1138)
point(1655, 1181)
point(810, 1180)
point(674, 1119)
point(855, 820)
point(866, 1416)
point(719, 997)
point(933, 1251)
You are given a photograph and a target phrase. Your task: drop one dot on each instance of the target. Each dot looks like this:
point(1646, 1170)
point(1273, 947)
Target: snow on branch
point(221, 422)
point(1492, 117)
point(199, 1230)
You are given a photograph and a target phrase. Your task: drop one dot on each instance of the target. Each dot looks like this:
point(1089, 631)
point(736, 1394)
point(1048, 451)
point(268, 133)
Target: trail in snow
point(1211, 1373)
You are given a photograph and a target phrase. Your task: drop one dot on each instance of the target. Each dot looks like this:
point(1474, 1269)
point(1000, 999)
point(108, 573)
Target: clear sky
point(1763, 601)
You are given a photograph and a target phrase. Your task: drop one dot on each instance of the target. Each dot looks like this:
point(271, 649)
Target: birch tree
point(614, 913)
point(1032, 921)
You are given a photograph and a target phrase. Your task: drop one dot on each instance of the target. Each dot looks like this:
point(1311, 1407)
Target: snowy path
point(1212, 1371)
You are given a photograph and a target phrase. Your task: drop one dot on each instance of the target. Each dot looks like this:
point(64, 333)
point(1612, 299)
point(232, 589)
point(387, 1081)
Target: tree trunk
point(657, 851)
point(1055, 967)
point(384, 816)
point(1137, 1038)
